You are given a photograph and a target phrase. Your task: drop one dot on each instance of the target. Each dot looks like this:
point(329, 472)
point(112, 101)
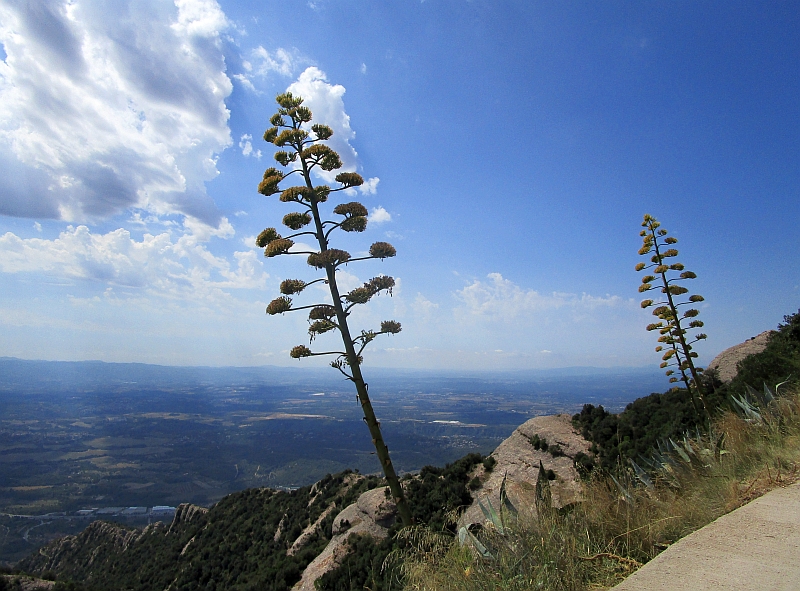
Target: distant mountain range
point(24, 372)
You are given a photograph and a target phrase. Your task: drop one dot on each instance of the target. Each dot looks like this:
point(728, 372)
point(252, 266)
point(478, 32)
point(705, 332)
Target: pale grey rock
point(725, 363)
point(518, 462)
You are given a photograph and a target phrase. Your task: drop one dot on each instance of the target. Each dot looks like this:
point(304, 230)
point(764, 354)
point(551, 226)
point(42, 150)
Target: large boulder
point(517, 460)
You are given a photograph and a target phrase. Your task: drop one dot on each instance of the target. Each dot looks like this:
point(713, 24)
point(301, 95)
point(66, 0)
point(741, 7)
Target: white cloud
point(280, 61)
point(423, 307)
point(379, 216)
point(245, 81)
point(370, 186)
point(183, 268)
point(108, 106)
point(347, 282)
point(500, 298)
point(363, 68)
point(245, 143)
point(303, 247)
point(326, 103)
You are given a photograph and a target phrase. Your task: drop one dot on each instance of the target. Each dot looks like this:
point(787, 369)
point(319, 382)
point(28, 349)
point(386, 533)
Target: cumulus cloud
point(108, 106)
point(326, 102)
point(499, 298)
point(182, 268)
point(246, 144)
point(423, 307)
point(370, 186)
point(262, 63)
point(379, 215)
point(280, 61)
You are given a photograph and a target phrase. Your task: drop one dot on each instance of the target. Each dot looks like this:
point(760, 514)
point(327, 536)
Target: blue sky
point(513, 149)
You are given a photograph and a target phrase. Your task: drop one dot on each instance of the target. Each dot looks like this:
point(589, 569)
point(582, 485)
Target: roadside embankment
point(757, 546)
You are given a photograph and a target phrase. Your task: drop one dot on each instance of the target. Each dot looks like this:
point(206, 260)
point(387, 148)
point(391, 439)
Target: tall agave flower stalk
point(673, 325)
point(302, 149)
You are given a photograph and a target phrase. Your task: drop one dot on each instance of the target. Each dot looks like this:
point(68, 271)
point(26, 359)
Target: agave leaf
point(665, 460)
point(464, 534)
point(504, 500)
point(748, 410)
point(758, 397)
point(665, 466)
point(718, 451)
point(680, 451)
point(641, 474)
point(625, 494)
point(786, 381)
point(767, 394)
point(647, 463)
point(491, 515)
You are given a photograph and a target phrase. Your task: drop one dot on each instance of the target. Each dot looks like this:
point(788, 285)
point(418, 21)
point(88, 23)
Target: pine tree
point(672, 326)
point(302, 150)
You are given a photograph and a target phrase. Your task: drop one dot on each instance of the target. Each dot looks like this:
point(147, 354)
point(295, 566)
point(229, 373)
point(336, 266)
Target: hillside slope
point(254, 539)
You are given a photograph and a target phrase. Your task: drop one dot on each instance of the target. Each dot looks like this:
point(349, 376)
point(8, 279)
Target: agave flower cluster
point(673, 325)
point(302, 149)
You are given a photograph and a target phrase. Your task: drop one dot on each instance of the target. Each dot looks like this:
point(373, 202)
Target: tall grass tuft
point(627, 516)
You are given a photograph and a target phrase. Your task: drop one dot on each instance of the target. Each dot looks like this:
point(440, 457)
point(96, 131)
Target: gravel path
point(755, 547)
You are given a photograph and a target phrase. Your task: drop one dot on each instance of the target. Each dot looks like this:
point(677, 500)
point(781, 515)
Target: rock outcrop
point(725, 363)
point(91, 545)
point(186, 513)
point(517, 460)
point(25, 583)
point(101, 542)
point(372, 514)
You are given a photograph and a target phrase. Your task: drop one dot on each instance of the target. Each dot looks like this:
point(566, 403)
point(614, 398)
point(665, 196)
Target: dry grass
point(619, 525)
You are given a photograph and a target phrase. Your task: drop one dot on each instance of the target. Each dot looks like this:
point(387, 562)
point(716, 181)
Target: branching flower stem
point(673, 332)
point(304, 150)
point(353, 361)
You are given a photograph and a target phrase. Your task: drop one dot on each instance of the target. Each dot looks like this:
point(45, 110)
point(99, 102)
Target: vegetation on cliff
point(636, 431)
point(626, 517)
point(243, 542)
point(240, 543)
